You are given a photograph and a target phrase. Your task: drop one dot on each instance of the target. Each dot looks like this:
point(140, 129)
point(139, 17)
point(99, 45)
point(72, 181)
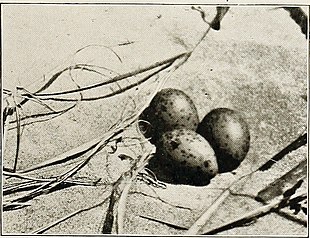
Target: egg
point(184, 157)
point(228, 134)
point(170, 109)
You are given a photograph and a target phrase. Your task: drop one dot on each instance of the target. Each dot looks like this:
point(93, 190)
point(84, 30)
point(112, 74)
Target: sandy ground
point(256, 64)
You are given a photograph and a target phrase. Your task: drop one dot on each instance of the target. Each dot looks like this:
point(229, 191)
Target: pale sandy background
point(256, 63)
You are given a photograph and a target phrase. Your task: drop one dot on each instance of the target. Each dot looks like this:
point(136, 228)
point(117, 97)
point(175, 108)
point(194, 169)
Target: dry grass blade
point(48, 186)
point(124, 89)
point(274, 205)
point(121, 209)
point(14, 205)
point(30, 195)
point(33, 98)
point(6, 116)
point(18, 135)
point(208, 212)
point(53, 113)
point(109, 218)
point(23, 186)
point(55, 223)
point(117, 78)
point(76, 84)
point(46, 85)
point(28, 185)
point(21, 176)
point(124, 182)
point(167, 223)
point(157, 197)
point(275, 189)
point(71, 154)
point(113, 93)
point(107, 47)
point(300, 141)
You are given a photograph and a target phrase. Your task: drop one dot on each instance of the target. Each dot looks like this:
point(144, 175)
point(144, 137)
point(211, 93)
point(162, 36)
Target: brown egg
point(184, 157)
point(228, 134)
point(170, 109)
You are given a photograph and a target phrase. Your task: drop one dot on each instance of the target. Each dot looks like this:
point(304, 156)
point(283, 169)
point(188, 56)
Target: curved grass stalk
point(114, 79)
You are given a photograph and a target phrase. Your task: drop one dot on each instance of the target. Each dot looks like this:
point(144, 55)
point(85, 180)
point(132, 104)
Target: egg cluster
point(189, 151)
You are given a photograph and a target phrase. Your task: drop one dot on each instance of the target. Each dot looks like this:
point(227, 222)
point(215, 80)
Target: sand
point(256, 64)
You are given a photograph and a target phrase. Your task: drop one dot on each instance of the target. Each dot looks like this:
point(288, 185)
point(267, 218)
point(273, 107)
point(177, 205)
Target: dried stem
point(21, 176)
point(52, 184)
point(115, 79)
point(248, 217)
point(121, 209)
point(166, 223)
point(43, 114)
point(118, 189)
point(18, 135)
point(69, 155)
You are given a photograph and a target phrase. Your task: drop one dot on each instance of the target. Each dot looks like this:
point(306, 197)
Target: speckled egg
point(228, 134)
point(170, 109)
point(186, 157)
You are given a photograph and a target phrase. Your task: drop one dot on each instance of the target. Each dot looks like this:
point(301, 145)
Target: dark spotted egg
point(228, 134)
point(170, 109)
point(187, 157)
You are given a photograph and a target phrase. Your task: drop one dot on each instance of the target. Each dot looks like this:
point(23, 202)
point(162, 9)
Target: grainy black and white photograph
point(154, 119)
